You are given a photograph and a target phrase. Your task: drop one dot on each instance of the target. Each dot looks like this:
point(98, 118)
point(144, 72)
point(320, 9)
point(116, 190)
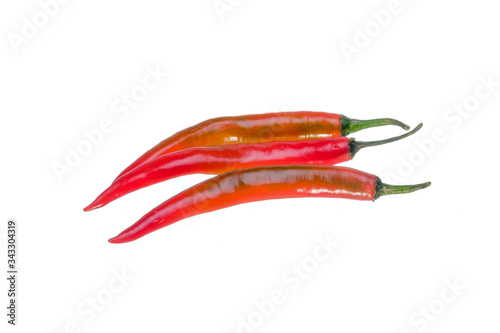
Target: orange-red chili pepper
point(263, 183)
point(279, 126)
point(220, 159)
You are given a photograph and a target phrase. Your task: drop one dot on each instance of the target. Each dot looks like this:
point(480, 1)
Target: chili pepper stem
point(349, 125)
point(382, 189)
point(355, 146)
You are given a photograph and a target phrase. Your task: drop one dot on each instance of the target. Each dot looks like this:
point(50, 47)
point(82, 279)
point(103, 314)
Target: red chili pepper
point(220, 159)
point(279, 126)
point(263, 183)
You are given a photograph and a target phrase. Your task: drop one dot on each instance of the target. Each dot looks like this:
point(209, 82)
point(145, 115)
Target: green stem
point(355, 146)
point(349, 125)
point(382, 189)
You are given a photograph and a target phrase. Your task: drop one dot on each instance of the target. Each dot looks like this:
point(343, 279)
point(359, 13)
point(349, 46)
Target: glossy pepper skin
point(262, 183)
point(220, 159)
point(278, 126)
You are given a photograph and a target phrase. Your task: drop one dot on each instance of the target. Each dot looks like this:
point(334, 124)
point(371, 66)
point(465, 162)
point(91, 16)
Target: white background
point(203, 274)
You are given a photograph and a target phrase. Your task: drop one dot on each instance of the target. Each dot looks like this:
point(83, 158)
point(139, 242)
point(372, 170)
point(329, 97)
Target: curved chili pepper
point(278, 126)
point(220, 159)
point(263, 183)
